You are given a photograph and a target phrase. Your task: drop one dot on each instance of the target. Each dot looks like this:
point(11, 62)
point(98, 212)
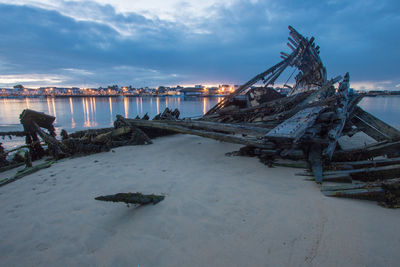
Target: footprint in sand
point(41, 247)
point(42, 192)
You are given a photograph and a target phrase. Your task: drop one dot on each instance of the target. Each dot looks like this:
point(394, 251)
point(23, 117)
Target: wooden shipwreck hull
point(306, 124)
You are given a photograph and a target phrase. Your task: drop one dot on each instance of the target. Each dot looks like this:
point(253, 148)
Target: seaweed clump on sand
point(132, 198)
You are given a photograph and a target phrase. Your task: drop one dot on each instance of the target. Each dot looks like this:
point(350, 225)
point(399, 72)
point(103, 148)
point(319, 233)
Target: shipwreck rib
point(250, 141)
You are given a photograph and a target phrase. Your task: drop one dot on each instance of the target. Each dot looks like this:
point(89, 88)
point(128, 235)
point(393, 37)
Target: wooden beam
point(26, 171)
point(233, 128)
point(314, 157)
point(56, 148)
point(368, 174)
point(379, 191)
point(374, 127)
point(213, 135)
point(365, 127)
point(342, 113)
point(140, 135)
point(367, 152)
point(366, 163)
point(246, 86)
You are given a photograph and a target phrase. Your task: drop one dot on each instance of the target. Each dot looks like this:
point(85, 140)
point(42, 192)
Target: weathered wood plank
point(376, 128)
point(368, 174)
point(342, 114)
point(367, 152)
point(360, 193)
point(26, 171)
point(246, 129)
point(294, 127)
point(366, 163)
point(339, 178)
point(213, 135)
point(385, 191)
point(363, 126)
point(139, 134)
point(56, 148)
point(314, 157)
point(245, 86)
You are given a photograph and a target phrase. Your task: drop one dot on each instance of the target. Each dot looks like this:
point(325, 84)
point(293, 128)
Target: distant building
point(212, 90)
point(192, 91)
point(225, 89)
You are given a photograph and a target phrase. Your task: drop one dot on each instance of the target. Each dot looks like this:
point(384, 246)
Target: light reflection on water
point(76, 113)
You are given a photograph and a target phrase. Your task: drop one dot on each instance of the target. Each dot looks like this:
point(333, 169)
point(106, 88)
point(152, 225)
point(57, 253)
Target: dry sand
point(218, 211)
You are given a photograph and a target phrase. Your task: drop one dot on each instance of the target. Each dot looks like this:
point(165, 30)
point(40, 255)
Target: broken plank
point(379, 191)
point(294, 127)
point(342, 113)
point(366, 163)
point(375, 193)
point(368, 129)
point(26, 171)
point(213, 135)
point(368, 174)
point(223, 127)
point(367, 152)
point(314, 157)
point(339, 178)
point(372, 125)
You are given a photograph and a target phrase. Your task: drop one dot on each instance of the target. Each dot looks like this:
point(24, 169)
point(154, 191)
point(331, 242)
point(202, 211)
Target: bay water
point(78, 113)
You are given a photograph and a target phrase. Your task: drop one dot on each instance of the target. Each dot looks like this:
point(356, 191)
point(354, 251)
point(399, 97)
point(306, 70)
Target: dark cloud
point(99, 46)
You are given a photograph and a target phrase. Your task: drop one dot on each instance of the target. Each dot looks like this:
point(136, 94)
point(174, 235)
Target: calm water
point(79, 113)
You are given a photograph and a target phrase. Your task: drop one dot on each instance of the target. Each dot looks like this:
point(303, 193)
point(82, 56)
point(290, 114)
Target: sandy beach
point(218, 211)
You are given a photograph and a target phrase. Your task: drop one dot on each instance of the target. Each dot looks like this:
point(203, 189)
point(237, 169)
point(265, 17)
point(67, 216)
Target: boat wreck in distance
point(305, 125)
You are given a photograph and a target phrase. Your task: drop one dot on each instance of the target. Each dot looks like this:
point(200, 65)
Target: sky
point(172, 42)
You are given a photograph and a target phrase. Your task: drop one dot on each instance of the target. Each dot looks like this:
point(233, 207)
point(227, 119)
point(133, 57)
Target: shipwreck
point(304, 126)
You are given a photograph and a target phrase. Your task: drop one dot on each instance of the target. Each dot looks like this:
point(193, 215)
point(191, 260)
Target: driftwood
point(32, 120)
point(132, 198)
point(22, 173)
point(138, 134)
point(386, 192)
point(56, 148)
point(10, 166)
point(167, 114)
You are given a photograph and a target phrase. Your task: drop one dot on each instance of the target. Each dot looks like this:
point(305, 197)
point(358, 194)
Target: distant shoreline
point(103, 96)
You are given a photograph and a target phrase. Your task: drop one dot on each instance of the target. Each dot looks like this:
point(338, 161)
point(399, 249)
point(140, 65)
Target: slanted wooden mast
point(304, 56)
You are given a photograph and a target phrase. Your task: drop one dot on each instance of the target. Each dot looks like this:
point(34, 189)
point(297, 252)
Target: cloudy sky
point(170, 42)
